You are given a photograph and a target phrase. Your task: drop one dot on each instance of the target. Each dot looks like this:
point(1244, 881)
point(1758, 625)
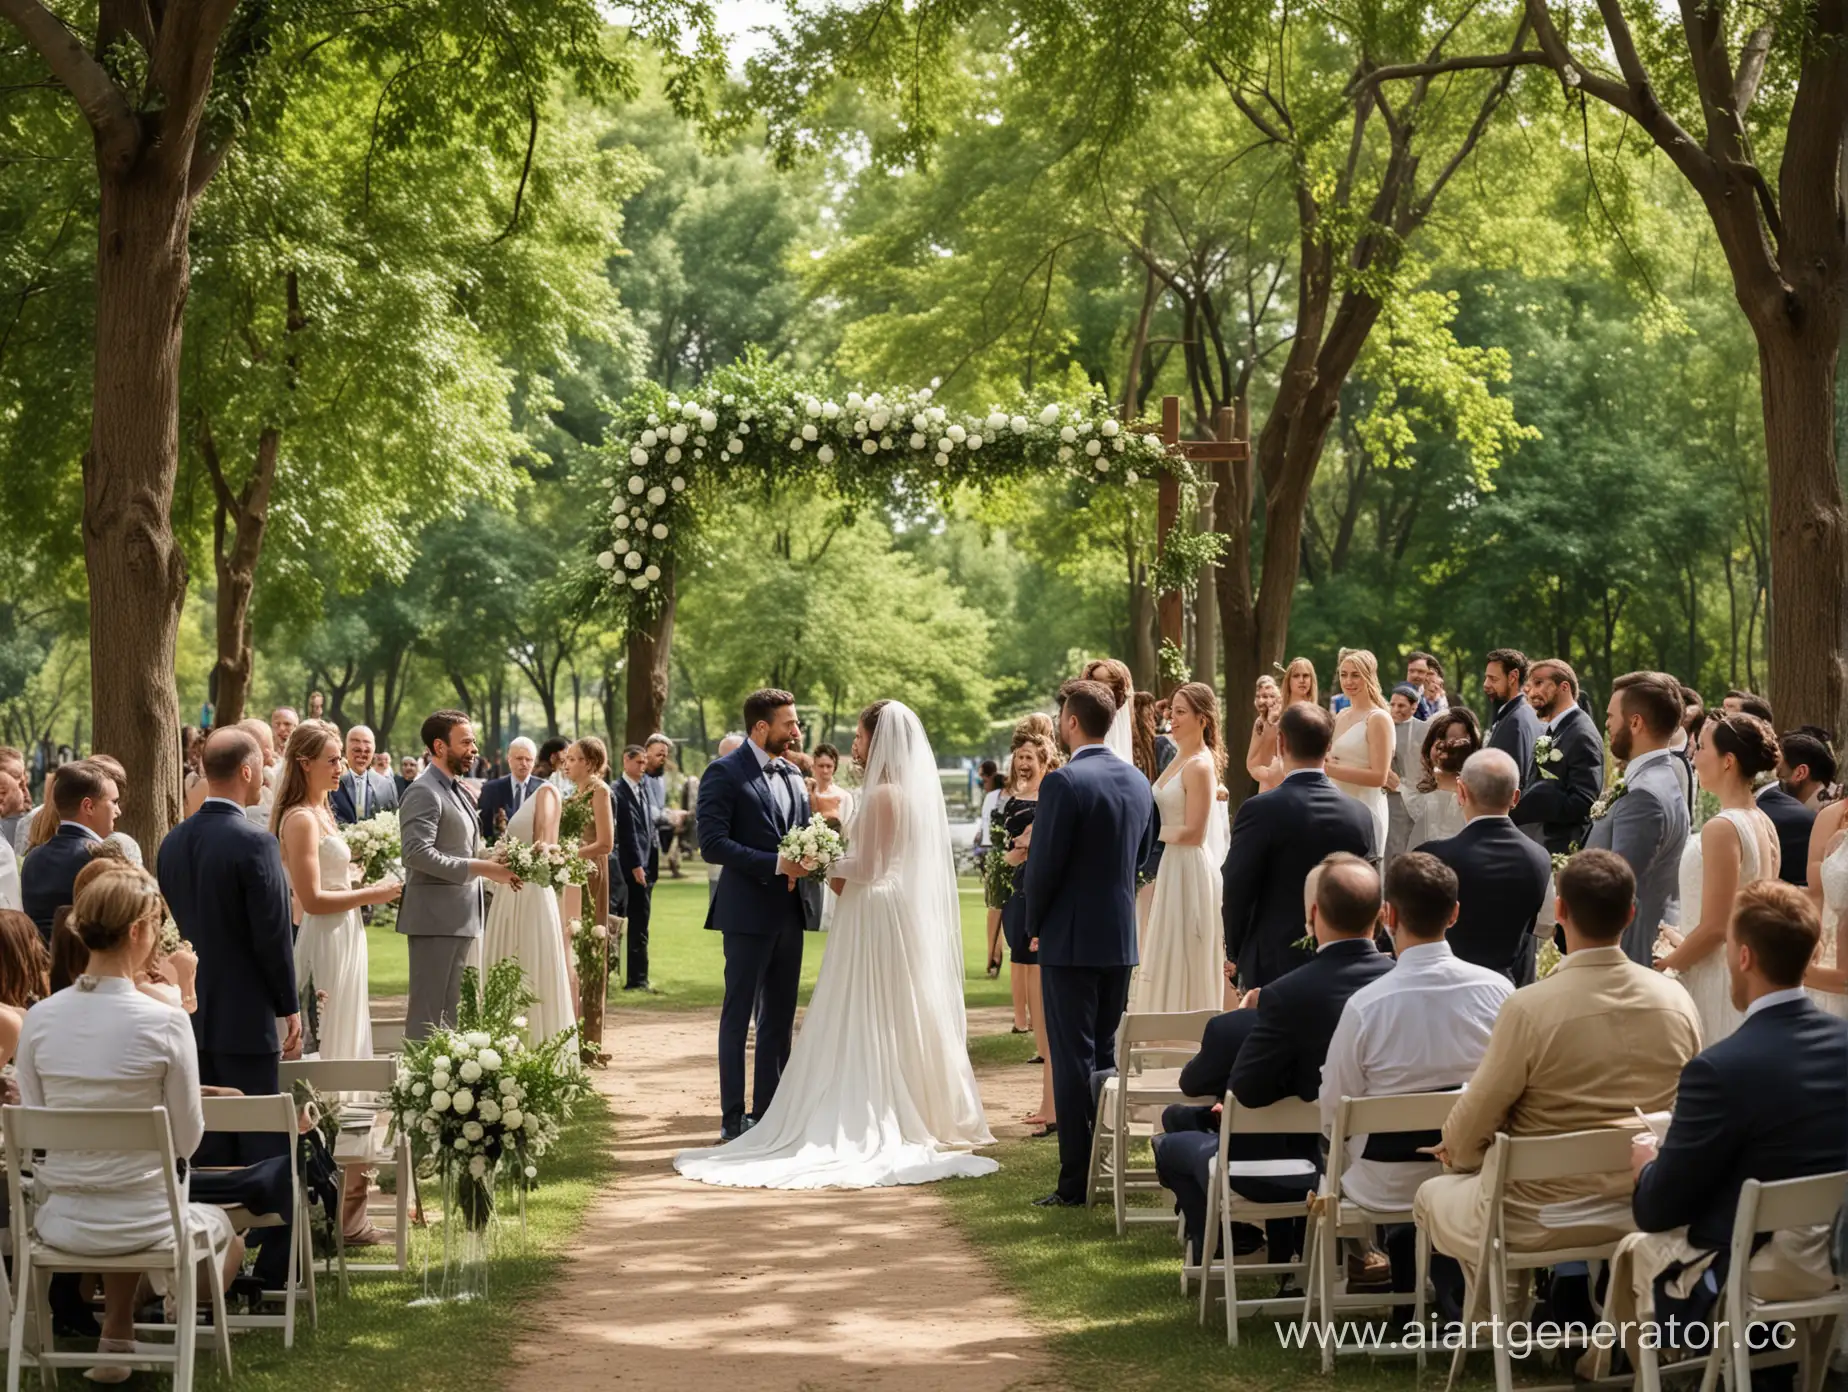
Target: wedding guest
point(1789, 813)
point(43, 821)
point(1645, 817)
point(1735, 848)
point(10, 894)
point(1737, 702)
point(667, 821)
point(551, 764)
point(992, 789)
point(1421, 1027)
point(1556, 801)
point(25, 965)
point(1579, 1049)
point(585, 764)
point(501, 798)
point(1276, 838)
point(1451, 737)
point(68, 956)
point(282, 723)
point(1300, 683)
point(830, 800)
point(83, 800)
point(1114, 677)
point(317, 704)
point(637, 852)
point(15, 796)
point(112, 766)
point(1502, 876)
point(1261, 759)
point(1360, 756)
point(1425, 672)
point(361, 793)
point(1805, 766)
point(406, 775)
point(260, 731)
point(1513, 725)
point(1408, 733)
point(1153, 752)
point(1033, 758)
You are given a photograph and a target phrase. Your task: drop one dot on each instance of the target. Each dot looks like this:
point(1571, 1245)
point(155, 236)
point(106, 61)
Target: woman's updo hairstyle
point(869, 718)
point(1113, 676)
point(1750, 741)
point(596, 757)
point(109, 906)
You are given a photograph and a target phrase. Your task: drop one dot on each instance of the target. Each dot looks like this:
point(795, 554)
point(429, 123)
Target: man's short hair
point(1422, 891)
point(521, 742)
point(1751, 703)
point(1511, 660)
point(1428, 659)
point(1801, 749)
point(226, 751)
point(657, 738)
point(1492, 780)
point(1304, 731)
point(1781, 926)
point(1347, 897)
point(632, 751)
point(1655, 696)
point(1561, 670)
point(1599, 891)
point(762, 705)
point(10, 755)
point(1090, 704)
point(77, 781)
point(437, 726)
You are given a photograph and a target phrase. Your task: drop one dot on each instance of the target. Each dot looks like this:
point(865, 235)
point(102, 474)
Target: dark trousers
point(769, 965)
point(1084, 1005)
point(1183, 1164)
point(641, 902)
point(263, 1188)
point(254, 1075)
point(1401, 1243)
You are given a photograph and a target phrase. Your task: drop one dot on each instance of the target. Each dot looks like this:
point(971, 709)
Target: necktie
point(519, 794)
point(359, 795)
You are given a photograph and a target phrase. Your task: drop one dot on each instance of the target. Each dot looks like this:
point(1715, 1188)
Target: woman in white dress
point(523, 924)
point(834, 802)
point(878, 1089)
point(1827, 977)
point(1183, 966)
point(1737, 847)
point(1360, 759)
point(1451, 737)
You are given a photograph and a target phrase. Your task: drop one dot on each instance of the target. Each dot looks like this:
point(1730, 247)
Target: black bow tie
point(779, 768)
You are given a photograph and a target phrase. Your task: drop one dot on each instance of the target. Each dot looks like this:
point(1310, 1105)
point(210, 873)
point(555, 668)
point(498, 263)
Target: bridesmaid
point(1261, 758)
point(585, 764)
point(833, 802)
point(1034, 757)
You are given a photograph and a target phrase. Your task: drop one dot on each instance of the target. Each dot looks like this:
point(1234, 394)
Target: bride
point(524, 924)
point(878, 1089)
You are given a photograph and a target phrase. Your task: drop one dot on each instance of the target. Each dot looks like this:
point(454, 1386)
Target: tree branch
point(1526, 57)
point(1751, 70)
point(104, 105)
point(526, 169)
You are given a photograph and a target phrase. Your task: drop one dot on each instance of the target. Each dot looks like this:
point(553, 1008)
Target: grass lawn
point(376, 1340)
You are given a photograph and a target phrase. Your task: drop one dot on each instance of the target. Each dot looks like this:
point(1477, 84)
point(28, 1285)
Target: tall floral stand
point(594, 968)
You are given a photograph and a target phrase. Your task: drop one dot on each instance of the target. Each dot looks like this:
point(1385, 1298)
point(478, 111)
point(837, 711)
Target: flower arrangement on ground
point(376, 844)
point(542, 865)
point(815, 847)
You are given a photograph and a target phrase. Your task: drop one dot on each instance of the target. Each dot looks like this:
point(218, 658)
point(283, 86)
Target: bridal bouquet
point(814, 847)
point(375, 844)
point(546, 866)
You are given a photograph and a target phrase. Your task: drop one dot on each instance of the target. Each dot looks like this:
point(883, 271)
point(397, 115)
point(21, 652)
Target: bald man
point(259, 730)
point(1502, 875)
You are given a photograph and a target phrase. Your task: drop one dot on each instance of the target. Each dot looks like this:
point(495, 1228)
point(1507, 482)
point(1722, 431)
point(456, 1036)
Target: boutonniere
point(1306, 943)
point(1547, 751)
point(1614, 790)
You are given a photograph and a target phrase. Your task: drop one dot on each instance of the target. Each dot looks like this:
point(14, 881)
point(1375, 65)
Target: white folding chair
point(1333, 1215)
point(387, 1038)
point(56, 1130)
point(1788, 1203)
point(274, 1115)
point(374, 1077)
point(1527, 1159)
point(1151, 1048)
point(1224, 1207)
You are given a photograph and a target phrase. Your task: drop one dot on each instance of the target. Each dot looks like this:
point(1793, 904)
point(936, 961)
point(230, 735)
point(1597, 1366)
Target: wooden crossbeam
point(1232, 451)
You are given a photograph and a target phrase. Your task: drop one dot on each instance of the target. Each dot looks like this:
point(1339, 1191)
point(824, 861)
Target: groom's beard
point(774, 745)
point(455, 765)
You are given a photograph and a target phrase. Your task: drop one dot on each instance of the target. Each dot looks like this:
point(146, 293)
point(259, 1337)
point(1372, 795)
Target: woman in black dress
point(1033, 758)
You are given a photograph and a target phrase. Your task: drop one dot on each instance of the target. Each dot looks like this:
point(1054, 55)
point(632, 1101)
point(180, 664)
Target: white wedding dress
point(1183, 964)
point(330, 953)
point(523, 924)
point(1834, 905)
point(1351, 749)
point(1708, 981)
point(878, 1090)
point(1121, 741)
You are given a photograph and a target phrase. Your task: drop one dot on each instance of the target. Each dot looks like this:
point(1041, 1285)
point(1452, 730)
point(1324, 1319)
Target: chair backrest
point(1813, 1201)
point(387, 1037)
point(271, 1115)
point(1161, 1038)
point(143, 1131)
point(1290, 1117)
point(1396, 1112)
point(1605, 1150)
point(341, 1075)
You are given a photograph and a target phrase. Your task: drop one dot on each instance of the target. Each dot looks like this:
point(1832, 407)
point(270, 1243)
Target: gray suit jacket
point(1407, 748)
point(437, 823)
point(1648, 827)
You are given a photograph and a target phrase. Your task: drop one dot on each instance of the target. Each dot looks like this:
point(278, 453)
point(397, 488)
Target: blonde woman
point(1827, 977)
point(1360, 759)
point(1261, 757)
point(1300, 683)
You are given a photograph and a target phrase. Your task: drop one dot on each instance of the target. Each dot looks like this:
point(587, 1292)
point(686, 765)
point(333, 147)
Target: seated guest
point(84, 799)
point(1422, 1027)
point(24, 963)
point(1789, 813)
point(104, 1044)
point(1582, 1048)
point(68, 956)
point(1502, 874)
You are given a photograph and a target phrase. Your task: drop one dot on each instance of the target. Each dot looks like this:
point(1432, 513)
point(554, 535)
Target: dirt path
point(678, 1286)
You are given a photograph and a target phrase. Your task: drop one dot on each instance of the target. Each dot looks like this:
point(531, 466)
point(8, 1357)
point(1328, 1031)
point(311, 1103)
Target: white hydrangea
point(1049, 416)
point(657, 495)
point(677, 435)
point(463, 1101)
point(637, 483)
point(512, 1118)
point(471, 1130)
point(470, 1071)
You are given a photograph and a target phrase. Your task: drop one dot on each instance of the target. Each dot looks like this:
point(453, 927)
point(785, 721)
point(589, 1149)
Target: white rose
point(1018, 424)
point(825, 454)
point(599, 931)
point(532, 1172)
point(440, 1064)
point(690, 410)
point(677, 435)
point(471, 1130)
point(975, 442)
point(1093, 447)
point(795, 443)
point(512, 1117)
point(638, 583)
point(813, 407)
point(1103, 465)
point(659, 530)
point(650, 439)
point(920, 421)
point(440, 1100)
point(918, 440)
point(638, 456)
point(507, 1085)
point(607, 560)
point(621, 544)
point(996, 422)
point(943, 461)
point(679, 485)
point(869, 446)
point(636, 483)
point(957, 433)
point(470, 1071)
point(708, 421)
point(1110, 427)
point(652, 573)
point(673, 454)
point(463, 1101)
point(809, 432)
point(829, 410)
point(1067, 434)
point(440, 1079)
point(622, 522)
point(657, 495)
point(488, 1110)
point(735, 445)
point(418, 1089)
point(633, 560)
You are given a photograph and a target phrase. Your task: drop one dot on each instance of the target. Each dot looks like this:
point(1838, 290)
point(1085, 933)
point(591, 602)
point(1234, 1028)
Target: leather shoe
point(731, 1131)
point(1057, 1201)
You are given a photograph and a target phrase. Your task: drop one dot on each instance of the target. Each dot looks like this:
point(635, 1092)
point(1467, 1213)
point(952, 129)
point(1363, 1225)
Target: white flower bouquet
point(543, 865)
point(590, 947)
point(1547, 753)
point(815, 847)
point(376, 845)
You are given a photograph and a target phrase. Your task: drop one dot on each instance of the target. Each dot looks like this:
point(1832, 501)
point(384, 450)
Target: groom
point(1094, 827)
point(747, 801)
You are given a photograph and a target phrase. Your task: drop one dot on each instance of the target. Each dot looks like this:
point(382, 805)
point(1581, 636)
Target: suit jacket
point(1277, 838)
point(739, 831)
point(440, 831)
point(1576, 1050)
point(497, 798)
point(636, 846)
point(1560, 806)
point(1209, 1072)
point(48, 872)
point(1094, 827)
point(1502, 877)
point(1513, 731)
point(223, 879)
point(1648, 827)
point(1408, 737)
point(1793, 822)
point(381, 796)
point(1765, 1103)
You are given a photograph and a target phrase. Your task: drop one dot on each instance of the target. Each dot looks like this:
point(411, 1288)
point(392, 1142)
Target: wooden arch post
point(1223, 447)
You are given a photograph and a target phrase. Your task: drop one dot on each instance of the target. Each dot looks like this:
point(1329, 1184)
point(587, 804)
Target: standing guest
point(1556, 802)
point(112, 766)
point(665, 820)
point(260, 731)
point(1360, 757)
point(1513, 725)
point(1451, 736)
point(223, 879)
point(10, 896)
point(587, 765)
point(15, 795)
point(1738, 847)
point(1300, 684)
point(1276, 838)
point(637, 854)
point(501, 798)
point(830, 800)
point(551, 764)
point(1033, 758)
point(361, 793)
point(1502, 876)
point(317, 706)
point(381, 764)
point(1261, 760)
point(408, 769)
point(1805, 765)
point(1408, 735)
point(1794, 818)
point(1693, 716)
point(1427, 674)
point(1151, 752)
point(282, 723)
point(993, 791)
point(1645, 816)
point(1091, 832)
point(1422, 1027)
point(729, 743)
point(1738, 702)
point(83, 799)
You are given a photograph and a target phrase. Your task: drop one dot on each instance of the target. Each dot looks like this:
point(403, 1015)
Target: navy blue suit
point(1793, 822)
point(1514, 731)
point(48, 872)
point(1094, 827)
point(762, 920)
point(1560, 806)
point(1502, 877)
point(1277, 839)
point(224, 883)
point(381, 795)
point(637, 848)
point(496, 802)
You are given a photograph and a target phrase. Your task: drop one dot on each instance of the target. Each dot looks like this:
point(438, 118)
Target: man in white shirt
point(1422, 1027)
point(258, 813)
point(282, 723)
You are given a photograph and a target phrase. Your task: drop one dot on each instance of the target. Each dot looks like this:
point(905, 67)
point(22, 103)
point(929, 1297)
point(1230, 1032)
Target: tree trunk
point(137, 573)
point(650, 649)
point(240, 519)
point(1233, 501)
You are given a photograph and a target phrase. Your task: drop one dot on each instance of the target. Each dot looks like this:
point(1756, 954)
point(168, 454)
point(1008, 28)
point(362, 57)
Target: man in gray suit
point(442, 911)
point(1645, 813)
point(1408, 737)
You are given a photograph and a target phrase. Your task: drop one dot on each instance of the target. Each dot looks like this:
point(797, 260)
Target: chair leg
point(1312, 1253)
point(16, 1327)
point(1206, 1238)
point(186, 1334)
point(1092, 1169)
point(47, 1337)
point(221, 1312)
point(304, 1252)
point(1648, 1369)
point(1710, 1370)
point(401, 1187)
point(1119, 1158)
point(1498, 1315)
point(1422, 1270)
point(1326, 1258)
point(1231, 1259)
